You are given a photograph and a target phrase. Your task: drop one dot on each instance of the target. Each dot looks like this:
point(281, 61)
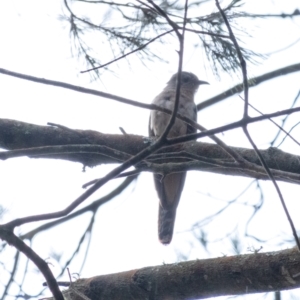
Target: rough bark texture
point(198, 279)
point(92, 148)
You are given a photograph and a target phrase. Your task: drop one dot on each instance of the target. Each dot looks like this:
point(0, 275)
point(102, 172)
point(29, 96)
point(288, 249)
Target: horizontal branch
point(74, 88)
point(92, 207)
point(97, 93)
point(92, 148)
point(230, 92)
point(252, 83)
point(197, 279)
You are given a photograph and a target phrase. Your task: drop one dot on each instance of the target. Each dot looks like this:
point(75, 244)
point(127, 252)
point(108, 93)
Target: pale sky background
point(35, 42)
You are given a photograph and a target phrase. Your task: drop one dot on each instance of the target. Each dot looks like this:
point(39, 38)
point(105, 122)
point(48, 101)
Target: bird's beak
point(202, 82)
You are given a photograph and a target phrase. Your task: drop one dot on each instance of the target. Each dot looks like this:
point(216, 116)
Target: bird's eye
point(185, 79)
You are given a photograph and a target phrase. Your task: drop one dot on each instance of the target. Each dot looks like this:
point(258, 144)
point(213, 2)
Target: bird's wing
point(169, 189)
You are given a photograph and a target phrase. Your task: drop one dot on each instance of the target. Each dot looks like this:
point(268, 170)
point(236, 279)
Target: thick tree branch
point(92, 148)
point(198, 279)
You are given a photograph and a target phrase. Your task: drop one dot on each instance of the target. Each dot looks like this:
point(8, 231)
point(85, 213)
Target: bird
point(169, 187)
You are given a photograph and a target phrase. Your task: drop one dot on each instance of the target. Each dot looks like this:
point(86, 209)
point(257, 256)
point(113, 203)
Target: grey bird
point(170, 186)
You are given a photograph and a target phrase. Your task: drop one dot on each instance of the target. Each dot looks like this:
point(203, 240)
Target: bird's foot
point(149, 140)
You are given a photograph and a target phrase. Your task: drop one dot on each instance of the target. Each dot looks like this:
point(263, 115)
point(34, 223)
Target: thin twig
point(252, 82)
point(158, 108)
point(95, 93)
point(285, 119)
point(205, 32)
point(124, 174)
point(93, 207)
point(7, 235)
point(171, 23)
point(280, 127)
point(234, 125)
point(180, 36)
point(241, 59)
point(246, 87)
point(277, 189)
point(112, 174)
point(288, 134)
point(129, 53)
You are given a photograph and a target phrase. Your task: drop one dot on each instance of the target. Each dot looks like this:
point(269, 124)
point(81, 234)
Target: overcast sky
point(35, 42)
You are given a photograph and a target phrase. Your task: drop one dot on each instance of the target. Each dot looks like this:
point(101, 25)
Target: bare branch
point(129, 53)
point(245, 85)
point(197, 279)
point(252, 83)
point(193, 156)
point(93, 207)
point(7, 235)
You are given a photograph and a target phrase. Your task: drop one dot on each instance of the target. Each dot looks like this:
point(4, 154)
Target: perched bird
point(170, 186)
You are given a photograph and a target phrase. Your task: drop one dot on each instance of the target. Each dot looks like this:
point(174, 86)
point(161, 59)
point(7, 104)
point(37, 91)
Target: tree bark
point(92, 148)
point(197, 279)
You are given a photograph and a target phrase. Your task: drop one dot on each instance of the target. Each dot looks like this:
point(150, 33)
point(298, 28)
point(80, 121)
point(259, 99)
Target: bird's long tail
point(166, 221)
point(169, 190)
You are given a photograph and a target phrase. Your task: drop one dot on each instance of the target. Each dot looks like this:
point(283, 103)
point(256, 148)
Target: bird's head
point(188, 81)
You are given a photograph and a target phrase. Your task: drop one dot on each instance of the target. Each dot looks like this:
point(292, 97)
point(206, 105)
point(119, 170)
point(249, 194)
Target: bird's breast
point(160, 120)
